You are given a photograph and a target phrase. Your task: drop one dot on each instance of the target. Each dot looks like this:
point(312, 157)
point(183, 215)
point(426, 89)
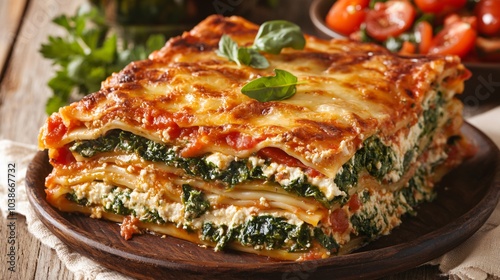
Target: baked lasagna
point(171, 145)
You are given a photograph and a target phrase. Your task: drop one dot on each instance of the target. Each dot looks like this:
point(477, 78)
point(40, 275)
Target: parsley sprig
point(88, 53)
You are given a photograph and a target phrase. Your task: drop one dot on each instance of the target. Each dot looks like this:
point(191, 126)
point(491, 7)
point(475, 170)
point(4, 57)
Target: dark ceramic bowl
point(482, 90)
point(317, 12)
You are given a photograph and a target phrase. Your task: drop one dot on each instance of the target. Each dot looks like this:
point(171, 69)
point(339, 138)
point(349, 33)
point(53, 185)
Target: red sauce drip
point(129, 227)
point(235, 140)
point(339, 220)
point(173, 130)
point(240, 141)
point(195, 147)
point(55, 130)
point(281, 157)
point(311, 173)
point(354, 202)
point(467, 74)
point(62, 156)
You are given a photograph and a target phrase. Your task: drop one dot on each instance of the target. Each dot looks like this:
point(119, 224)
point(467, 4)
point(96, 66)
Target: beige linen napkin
point(477, 258)
point(21, 155)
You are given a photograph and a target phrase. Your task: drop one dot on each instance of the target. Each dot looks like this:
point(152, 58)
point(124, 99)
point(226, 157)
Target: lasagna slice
point(171, 145)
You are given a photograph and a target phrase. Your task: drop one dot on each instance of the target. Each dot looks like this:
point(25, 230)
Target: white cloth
point(477, 258)
point(21, 155)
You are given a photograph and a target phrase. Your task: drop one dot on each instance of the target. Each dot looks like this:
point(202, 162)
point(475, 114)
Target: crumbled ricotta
point(220, 160)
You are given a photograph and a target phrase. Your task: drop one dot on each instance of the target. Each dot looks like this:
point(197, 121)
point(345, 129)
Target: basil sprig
point(247, 56)
point(272, 37)
point(278, 87)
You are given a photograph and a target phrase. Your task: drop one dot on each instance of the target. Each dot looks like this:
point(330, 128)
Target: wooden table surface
point(24, 25)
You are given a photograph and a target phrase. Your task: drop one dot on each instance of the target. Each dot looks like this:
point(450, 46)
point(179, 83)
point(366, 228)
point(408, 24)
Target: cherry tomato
point(440, 6)
point(389, 19)
point(430, 6)
point(488, 17)
point(345, 16)
point(423, 30)
point(457, 37)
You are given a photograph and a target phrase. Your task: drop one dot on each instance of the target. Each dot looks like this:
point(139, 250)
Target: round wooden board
point(466, 198)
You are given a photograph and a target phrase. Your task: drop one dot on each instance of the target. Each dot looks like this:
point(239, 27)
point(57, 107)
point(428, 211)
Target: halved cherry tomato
point(389, 19)
point(440, 6)
point(457, 37)
point(423, 30)
point(430, 6)
point(345, 16)
point(488, 17)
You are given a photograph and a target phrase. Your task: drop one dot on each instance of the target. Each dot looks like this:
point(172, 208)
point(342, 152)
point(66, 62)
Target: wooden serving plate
point(466, 198)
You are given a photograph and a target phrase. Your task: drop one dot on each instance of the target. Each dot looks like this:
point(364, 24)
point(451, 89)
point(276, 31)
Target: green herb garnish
point(278, 87)
point(88, 54)
point(272, 37)
point(229, 49)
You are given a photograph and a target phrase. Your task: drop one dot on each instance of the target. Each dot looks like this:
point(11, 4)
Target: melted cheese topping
point(348, 92)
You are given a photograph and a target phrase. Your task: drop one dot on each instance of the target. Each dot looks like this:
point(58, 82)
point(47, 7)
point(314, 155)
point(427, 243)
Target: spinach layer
point(238, 171)
point(371, 221)
point(127, 142)
point(374, 157)
point(269, 232)
point(194, 202)
point(263, 232)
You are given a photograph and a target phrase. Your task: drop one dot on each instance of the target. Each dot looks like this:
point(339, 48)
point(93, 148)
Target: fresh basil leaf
point(229, 49)
point(275, 35)
point(244, 56)
point(258, 61)
point(272, 37)
point(278, 87)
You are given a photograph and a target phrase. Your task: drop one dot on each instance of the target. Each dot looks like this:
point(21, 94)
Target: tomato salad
point(467, 28)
